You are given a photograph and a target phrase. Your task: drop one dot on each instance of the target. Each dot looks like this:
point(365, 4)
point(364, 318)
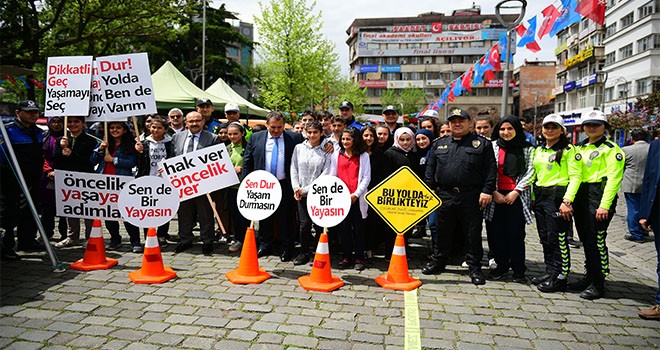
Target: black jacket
point(81, 153)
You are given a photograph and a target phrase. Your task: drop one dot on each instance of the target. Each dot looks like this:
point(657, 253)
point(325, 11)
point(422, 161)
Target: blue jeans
point(632, 202)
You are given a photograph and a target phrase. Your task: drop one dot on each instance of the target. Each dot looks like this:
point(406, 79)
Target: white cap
point(554, 118)
point(430, 113)
point(231, 107)
point(594, 117)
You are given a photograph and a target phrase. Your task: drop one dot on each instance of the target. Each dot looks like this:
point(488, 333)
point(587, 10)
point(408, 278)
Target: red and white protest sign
point(197, 173)
point(126, 85)
point(67, 85)
point(259, 195)
point(328, 201)
point(88, 196)
point(148, 201)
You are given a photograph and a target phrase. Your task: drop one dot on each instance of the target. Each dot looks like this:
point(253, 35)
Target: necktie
point(273, 156)
point(191, 144)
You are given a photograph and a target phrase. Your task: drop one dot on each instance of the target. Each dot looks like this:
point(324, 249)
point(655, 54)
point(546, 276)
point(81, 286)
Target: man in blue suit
point(649, 215)
point(259, 155)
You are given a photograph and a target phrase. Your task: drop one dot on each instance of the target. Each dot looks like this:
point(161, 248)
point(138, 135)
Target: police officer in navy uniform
point(346, 112)
point(462, 171)
point(26, 140)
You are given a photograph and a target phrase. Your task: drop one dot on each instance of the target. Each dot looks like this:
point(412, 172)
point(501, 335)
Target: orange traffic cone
point(321, 278)
point(397, 276)
point(94, 258)
point(248, 271)
point(153, 271)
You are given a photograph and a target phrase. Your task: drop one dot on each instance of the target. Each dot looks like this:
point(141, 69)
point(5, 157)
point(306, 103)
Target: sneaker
point(162, 242)
point(301, 259)
point(492, 264)
point(113, 245)
point(359, 265)
point(650, 314)
point(344, 264)
point(236, 246)
point(573, 243)
point(223, 239)
point(465, 264)
point(137, 249)
point(67, 242)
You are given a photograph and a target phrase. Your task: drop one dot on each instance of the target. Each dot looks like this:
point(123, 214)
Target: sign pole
point(215, 213)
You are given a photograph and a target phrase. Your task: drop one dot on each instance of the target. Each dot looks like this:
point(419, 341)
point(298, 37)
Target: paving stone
point(330, 333)
point(241, 334)
point(86, 341)
point(37, 336)
point(96, 330)
point(24, 345)
point(165, 339)
point(294, 329)
point(231, 344)
point(198, 342)
point(270, 338)
point(129, 334)
point(297, 340)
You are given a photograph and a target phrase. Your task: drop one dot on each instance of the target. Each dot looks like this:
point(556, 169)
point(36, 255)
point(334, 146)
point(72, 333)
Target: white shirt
point(187, 142)
point(270, 143)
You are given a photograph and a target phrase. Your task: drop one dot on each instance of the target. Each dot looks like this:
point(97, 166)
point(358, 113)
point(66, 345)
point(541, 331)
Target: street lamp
point(502, 5)
point(603, 80)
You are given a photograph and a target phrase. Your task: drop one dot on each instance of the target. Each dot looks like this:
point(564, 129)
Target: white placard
point(148, 201)
point(126, 85)
point(328, 201)
point(88, 196)
point(259, 195)
point(67, 86)
point(197, 173)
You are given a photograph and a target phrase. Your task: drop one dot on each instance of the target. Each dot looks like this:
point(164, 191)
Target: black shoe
point(552, 285)
point(263, 252)
point(418, 234)
point(286, 256)
point(207, 248)
point(540, 279)
point(520, 278)
point(182, 247)
point(573, 243)
point(593, 292)
point(173, 239)
point(497, 273)
point(579, 284)
point(9, 255)
point(629, 237)
point(433, 268)
point(477, 278)
point(301, 259)
point(344, 264)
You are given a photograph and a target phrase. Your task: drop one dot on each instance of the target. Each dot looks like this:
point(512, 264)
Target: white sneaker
point(67, 242)
point(465, 264)
point(137, 249)
point(492, 264)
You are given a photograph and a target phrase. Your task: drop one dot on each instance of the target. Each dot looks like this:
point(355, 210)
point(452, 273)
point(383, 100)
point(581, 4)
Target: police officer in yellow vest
point(558, 175)
point(602, 171)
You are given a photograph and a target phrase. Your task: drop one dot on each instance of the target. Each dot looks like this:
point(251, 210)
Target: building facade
point(632, 52)
point(533, 92)
point(426, 52)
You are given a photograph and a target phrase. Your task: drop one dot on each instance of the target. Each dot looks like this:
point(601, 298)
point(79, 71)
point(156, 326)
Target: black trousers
point(307, 242)
point(593, 233)
point(17, 216)
point(48, 215)
point(459, 211)
point(133, 232)
point(552, 229)
point(352, 233)
point(509, 236)
point(281, 218)
point(193, 210)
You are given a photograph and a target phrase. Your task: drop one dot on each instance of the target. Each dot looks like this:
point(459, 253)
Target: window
point(646, 10)
point(610, 58)
point(610, 30)
point(476, 44)
point(404, 76)
point(416, 76)
point(415, 60)
point(625, 51)
point(561, 103)
point(582, 98)
point(642, 86)
point(392, 46)
point(584, 24)
point(391, 60)
point(583, 72)
point(596, 39)
point(403, 60)
point(611, 3)
point(627, 20)
point(428, 60)
point(414, 46)
point(609, 94)
point(645, 43)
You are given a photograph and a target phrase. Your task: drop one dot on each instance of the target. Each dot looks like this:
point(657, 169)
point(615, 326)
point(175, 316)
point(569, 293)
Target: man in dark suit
point(649, 215)
point(259, 156)
point(631, 186)
point(198, 208)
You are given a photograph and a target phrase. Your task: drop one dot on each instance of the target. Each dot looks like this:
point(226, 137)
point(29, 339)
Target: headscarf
point(514, 160)
point(398, 133)
point(52, 132)
point(428, 133)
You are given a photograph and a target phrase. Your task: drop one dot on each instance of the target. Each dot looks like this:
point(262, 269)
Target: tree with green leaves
point(413, 100)
point(389, 97)
point(343, 89)
point(298, 63)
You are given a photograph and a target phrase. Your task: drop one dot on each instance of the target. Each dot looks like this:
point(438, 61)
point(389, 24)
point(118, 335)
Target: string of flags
point(552, 19)
point(12, 80)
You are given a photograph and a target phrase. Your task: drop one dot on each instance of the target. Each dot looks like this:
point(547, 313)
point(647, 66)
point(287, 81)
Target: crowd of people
point(484, 168)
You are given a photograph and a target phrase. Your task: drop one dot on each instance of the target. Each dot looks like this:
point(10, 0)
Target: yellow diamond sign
point(402, 200)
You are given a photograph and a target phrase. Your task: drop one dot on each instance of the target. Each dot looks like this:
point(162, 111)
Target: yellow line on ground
point(412, 334)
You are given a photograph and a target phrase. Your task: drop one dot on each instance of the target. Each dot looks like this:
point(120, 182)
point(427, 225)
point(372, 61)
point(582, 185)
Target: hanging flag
point(467, 80)
point(478, 73)
point(10, 79)
point(593, 9)
point(489, 75)
point(502, 44)
point(494, 57)
point(458, 86)
point(550, 15)
point(25, 83)
point(567, 16)
point(528, 35)
point(37, 83)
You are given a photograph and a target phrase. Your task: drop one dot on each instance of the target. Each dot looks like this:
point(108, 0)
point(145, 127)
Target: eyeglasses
point(176, 116)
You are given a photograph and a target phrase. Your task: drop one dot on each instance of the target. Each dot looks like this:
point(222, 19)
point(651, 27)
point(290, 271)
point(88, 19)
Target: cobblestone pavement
point(201, 309)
